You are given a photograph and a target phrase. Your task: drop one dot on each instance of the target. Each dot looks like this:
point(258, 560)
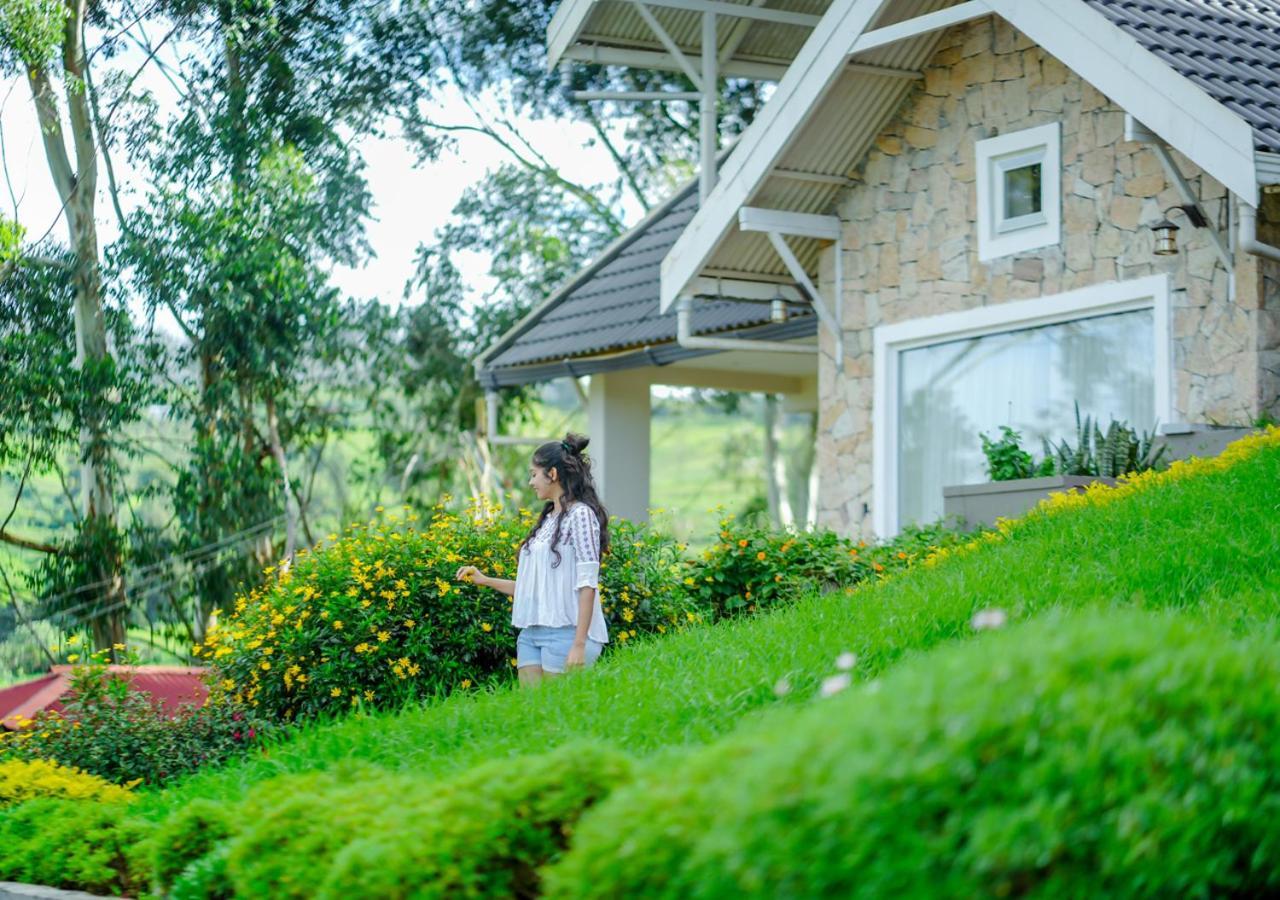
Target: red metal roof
point(170, 686)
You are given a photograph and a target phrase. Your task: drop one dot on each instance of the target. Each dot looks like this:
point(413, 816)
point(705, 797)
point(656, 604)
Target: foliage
point(641, 586)
point(77, 844)
point(117, 732)
point(754, 567)
point(374, 617)
point(1209, 559)
point(485, 833)
point(22, 780)
point(1007, 461)
point(1121, 451)
point(962, 774)
point(30, 33)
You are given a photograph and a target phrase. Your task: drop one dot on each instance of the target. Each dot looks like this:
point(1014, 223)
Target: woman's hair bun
point(575, 443)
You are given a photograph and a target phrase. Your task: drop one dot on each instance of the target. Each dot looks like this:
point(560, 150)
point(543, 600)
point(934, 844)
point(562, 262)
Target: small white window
point(1019, 178)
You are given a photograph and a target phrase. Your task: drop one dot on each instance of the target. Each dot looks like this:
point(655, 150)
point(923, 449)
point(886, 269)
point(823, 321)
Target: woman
point(556, 588)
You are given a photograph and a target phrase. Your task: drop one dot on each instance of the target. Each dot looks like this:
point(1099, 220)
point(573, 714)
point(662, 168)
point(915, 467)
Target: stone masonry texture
point(911, 248)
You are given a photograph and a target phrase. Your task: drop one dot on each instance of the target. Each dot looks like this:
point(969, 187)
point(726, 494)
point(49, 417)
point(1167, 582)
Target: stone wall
point(911, 247)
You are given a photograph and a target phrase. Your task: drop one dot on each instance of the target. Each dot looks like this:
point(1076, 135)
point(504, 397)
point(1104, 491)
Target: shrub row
point(1121, 754)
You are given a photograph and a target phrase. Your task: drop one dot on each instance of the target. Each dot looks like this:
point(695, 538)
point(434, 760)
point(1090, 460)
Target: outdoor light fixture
point(778, 309)
point(1167, 232)
point(1166, 238)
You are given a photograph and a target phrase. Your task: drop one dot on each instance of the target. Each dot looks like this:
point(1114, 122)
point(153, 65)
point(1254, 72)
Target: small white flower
point(835, 684)
point(986, 619)
point(846, 661)
point(782, 688)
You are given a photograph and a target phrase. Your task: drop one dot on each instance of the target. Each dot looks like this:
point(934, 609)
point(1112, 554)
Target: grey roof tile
point(1229, 48)
point(613, 304)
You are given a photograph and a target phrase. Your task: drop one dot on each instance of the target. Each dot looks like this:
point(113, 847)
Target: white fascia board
point(818, 64)
point(901, 31)
point(827, 228)
point(1202, 129)
point(565, 26)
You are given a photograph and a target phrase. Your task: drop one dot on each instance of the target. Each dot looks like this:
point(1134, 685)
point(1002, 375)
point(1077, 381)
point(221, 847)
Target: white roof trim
point(1169, 103)
point(1205, 131)
point(1268, 167)
point(761, 146)
point(564, 27)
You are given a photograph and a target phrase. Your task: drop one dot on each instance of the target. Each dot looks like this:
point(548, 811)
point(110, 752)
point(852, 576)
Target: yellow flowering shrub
point(22, 780)
point(374, 617)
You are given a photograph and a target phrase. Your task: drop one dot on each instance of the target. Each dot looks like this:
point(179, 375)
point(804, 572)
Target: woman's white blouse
point(547, 591)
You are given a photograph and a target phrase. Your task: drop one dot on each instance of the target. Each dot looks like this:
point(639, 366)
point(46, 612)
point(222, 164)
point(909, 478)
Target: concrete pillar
point(618, 419)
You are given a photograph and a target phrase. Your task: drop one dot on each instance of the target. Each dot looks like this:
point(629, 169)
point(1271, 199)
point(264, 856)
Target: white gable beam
point(737, 10)
point(759, 150)
point(901, 31)
point(665, 39)
point(1171, 105)
point(743, 289)
point(825, 228)
point(564, 27)
point(664, 62)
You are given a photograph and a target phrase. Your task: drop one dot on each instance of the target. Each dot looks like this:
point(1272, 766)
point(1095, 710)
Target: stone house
point(978, 200)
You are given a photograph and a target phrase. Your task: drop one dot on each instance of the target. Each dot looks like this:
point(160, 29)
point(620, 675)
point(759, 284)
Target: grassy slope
point(1209, 544)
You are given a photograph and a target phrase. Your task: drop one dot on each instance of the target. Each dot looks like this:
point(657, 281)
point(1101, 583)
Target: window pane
point(1028, 379)
point(1022, 191)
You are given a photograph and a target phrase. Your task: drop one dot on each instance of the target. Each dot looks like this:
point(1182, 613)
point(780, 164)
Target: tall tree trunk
point(290, 500)
point(776, 465)
point(806, 475)
point(77, 188)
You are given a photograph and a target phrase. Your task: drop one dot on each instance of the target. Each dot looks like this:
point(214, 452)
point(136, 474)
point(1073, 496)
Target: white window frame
point(1151, 292)
point(998, 236)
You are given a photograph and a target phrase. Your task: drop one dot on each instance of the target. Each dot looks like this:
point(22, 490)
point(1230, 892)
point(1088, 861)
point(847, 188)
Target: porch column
point(618, 419)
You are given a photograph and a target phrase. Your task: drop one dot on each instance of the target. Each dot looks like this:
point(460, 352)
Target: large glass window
point(1029, 379)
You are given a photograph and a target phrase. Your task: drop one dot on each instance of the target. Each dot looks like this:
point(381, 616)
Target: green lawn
point(1206, 544)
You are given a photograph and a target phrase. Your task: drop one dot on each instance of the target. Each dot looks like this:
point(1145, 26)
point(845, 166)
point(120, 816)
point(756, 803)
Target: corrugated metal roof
point(171, 687)
point(612, 306)
point(1228, 48)
point(615, 23)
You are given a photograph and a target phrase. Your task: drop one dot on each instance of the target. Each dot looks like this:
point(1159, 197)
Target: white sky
point(410, 202)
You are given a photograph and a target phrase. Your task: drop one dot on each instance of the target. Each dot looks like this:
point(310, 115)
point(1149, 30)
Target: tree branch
point(618, 159)
point(27, 543)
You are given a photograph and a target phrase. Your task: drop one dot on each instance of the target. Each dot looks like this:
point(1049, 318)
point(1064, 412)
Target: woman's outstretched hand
point(469, 573)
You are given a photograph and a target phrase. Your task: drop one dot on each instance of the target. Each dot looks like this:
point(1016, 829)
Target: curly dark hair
point(573, 469)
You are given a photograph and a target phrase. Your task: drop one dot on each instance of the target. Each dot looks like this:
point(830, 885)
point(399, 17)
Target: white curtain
point(1029, 379)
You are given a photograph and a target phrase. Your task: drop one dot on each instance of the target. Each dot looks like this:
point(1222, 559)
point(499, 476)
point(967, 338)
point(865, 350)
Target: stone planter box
point(982, 504)
point(1186, 441)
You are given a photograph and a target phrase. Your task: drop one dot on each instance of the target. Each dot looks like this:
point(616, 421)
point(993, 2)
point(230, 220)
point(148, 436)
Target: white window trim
point(1151, 292)
point(998, 237)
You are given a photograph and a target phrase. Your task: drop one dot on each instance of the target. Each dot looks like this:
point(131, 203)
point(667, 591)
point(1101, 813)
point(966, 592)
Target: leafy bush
point(22, 780)
point(1007, 461)
point(641, 586)
point(110, 729)
point(755, 567)
point(486, 832)
point(1121, 451)
point(75, 844)
point(375, 617)
point(1113, 754)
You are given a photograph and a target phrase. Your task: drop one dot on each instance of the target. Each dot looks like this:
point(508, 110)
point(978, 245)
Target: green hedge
point(754, 567)
point(74, 844)
point(486, 833)
point(1121, 754)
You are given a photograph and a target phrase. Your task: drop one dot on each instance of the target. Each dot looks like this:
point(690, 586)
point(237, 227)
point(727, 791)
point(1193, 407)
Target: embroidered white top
point(547, 590)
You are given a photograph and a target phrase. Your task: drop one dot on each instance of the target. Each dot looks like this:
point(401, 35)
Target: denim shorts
point(542, 645)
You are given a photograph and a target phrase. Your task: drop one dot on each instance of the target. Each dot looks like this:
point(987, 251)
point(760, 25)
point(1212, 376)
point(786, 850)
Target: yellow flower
point(761, 556)
point(73, 640)
point(73, 657)
point(743, 542)
point(337, 623)
point(466, 683)
point(409, 623)
point(384, 636)
point(486, 626)
point(333, 692)
point(117, 646)
point(266, 666)
point(368, 696)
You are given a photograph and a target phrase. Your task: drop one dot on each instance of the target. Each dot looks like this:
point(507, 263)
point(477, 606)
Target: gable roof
point(606, 317)
point(171, 687)
point(825, 114)
point(1228, 48)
